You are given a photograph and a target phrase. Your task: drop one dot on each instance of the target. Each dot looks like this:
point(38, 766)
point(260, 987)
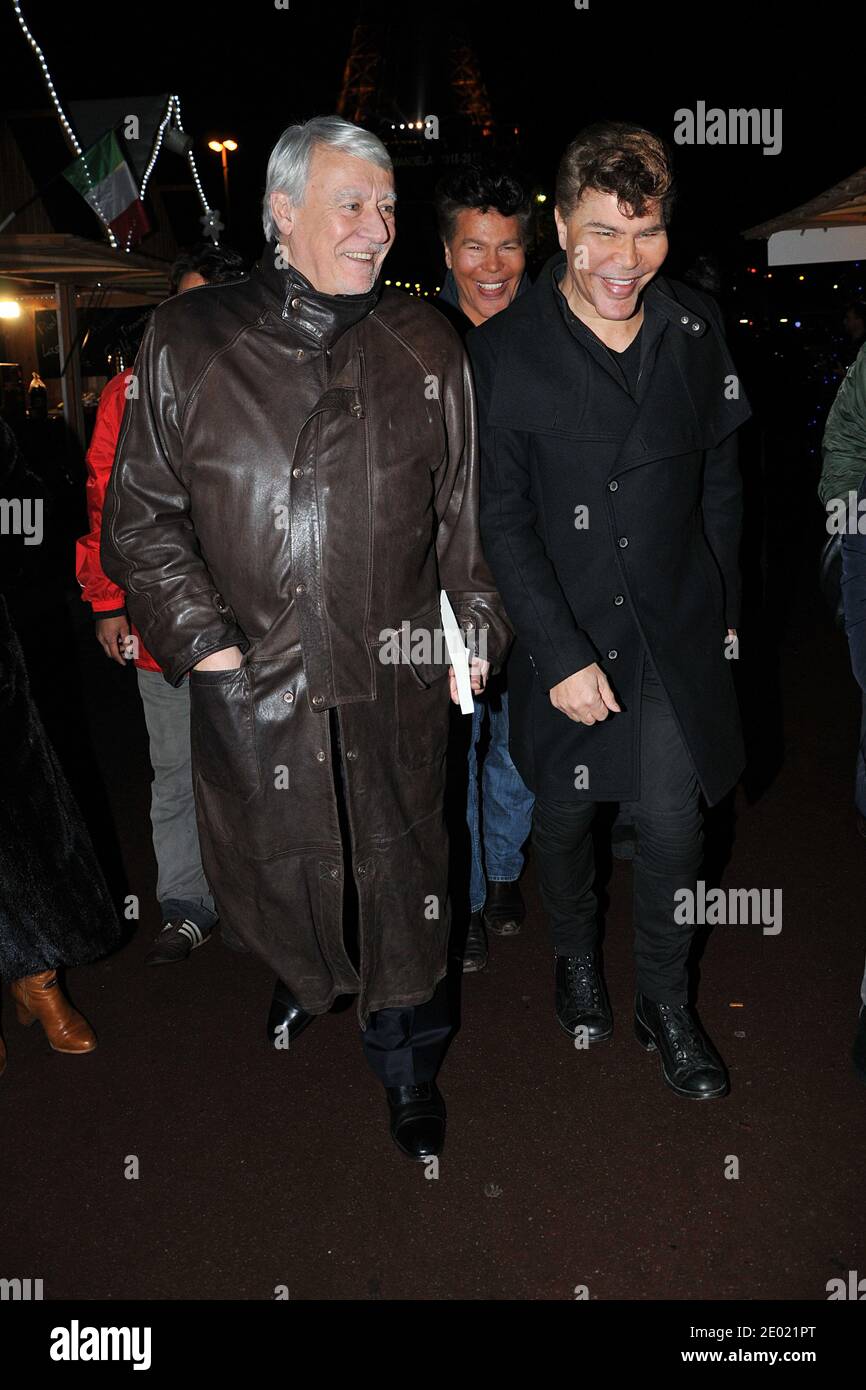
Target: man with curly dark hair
point(483, 215)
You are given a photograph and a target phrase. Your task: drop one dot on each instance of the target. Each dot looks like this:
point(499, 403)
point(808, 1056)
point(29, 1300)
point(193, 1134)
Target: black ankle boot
point(581, 997)
point(286, 1020)
point(504, 909)
point(691, 1066)
point(475, 950)
point(417, 1119)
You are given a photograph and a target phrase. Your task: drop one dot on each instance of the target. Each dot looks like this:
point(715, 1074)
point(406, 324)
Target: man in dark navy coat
point(611, 511)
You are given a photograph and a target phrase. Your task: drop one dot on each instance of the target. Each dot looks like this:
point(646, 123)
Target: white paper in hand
point(458, 654)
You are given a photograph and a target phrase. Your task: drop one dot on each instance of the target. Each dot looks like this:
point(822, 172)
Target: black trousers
point(404, 1046)
point(668, 854)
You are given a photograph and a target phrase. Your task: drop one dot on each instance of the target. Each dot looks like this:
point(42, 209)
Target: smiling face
point(341, 233)
point(610, 257)
point(487, 258)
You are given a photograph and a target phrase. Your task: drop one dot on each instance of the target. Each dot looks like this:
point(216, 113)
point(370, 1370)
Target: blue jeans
point(500, 811)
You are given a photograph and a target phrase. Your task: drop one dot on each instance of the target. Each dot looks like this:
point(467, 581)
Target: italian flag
point(104, 179)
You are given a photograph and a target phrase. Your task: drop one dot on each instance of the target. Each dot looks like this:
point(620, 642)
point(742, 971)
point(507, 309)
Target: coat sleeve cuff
point(555, 664)
point(184, 632)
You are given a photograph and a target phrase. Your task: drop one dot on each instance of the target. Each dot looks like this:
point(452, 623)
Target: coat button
point(300, 353)
point(362, 869)
point(335, 873)
point(300, 588)
point(318, 699)
point(696, 327)
point(288, 696)
point(352, 753)
point(684, 319)
point(619, 600)
point(623, 542)
point(358, 411)
point(612, 654)
point(297, 472)
point(296, 304)
point(613, 486)
point(321, 755)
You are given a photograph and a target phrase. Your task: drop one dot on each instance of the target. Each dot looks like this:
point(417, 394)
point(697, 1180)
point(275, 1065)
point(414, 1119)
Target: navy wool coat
point(612, 526)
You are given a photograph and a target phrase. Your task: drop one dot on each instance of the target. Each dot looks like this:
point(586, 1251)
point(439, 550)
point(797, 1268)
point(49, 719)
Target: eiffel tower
point(412, 77)
point(417, 58)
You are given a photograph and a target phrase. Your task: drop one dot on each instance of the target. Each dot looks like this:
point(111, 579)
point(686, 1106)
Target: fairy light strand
point(70, 133)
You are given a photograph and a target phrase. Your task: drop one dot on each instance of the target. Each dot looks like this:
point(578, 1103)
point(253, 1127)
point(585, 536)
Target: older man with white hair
point(297, 481)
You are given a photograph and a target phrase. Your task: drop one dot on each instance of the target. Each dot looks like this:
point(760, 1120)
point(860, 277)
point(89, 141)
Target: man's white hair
point(289, 164)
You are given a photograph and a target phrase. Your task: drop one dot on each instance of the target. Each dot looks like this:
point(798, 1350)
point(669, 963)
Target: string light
point(70, 133)
point(173, 108)
point(193, 170)
point(157, 146)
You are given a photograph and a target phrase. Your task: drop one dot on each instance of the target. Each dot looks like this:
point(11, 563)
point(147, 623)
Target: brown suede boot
point(40, 997)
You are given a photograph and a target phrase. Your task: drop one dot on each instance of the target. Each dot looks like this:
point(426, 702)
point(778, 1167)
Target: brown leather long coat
point(297, 475)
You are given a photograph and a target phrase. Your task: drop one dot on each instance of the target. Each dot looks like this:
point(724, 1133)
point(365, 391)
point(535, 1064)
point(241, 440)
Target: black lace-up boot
point(581, 997)
point(691, 1066)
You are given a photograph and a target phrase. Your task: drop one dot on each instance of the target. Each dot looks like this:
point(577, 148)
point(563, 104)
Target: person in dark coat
point(55, 907)
point(483, 214)
point(296, 483)
point(610, 516)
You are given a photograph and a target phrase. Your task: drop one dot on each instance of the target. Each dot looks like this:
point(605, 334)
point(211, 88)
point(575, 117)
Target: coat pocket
point(221, 731)
point(422, 701)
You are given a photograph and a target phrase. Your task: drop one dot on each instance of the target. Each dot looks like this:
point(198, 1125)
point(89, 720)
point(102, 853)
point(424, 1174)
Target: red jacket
point(104, 597)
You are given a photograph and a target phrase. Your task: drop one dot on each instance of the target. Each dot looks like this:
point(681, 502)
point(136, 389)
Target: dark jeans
point(404, 1046)
point(668, 853)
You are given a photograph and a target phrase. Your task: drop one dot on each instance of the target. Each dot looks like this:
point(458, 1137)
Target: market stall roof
point(54, 258)
point(830, 227)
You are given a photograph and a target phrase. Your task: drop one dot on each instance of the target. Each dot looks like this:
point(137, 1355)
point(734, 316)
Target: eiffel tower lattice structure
point(420, 59)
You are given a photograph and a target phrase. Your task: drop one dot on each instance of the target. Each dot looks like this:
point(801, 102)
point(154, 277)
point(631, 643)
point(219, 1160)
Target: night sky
point(249, 70)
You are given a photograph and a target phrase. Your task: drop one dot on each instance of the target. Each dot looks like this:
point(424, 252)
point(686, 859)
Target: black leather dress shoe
point(417, 1119)
point(691, 1066)
point(504, 909)
point(286, 1020)
point(581, 997)
point(475, 950)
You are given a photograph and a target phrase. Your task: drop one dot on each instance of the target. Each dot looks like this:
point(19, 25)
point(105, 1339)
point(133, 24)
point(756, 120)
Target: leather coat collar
point(321, 318)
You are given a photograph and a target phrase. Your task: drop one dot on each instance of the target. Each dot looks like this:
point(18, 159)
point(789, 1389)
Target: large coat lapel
point(688, 394)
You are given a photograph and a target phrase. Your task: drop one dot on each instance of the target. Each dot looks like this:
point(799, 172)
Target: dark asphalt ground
point(561, 1168)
